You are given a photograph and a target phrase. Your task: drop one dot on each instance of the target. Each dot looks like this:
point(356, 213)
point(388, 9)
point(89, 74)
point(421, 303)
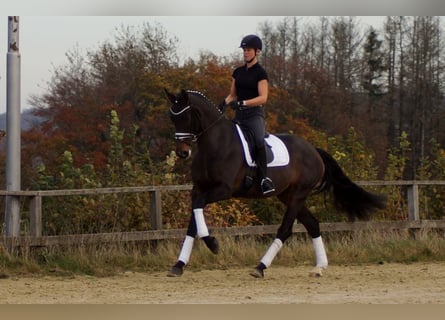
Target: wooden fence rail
point(36, 238)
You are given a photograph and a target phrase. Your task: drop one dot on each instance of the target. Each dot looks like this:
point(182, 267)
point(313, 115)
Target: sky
point(45, 40)
point(51, 28)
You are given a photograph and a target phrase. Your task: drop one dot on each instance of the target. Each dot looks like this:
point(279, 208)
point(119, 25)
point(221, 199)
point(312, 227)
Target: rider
point(248, 94)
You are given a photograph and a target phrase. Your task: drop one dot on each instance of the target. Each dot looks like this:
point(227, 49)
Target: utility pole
point(13, 159)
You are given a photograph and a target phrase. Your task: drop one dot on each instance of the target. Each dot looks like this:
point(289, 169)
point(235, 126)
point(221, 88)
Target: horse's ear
point(183, 97)
point(170, 96)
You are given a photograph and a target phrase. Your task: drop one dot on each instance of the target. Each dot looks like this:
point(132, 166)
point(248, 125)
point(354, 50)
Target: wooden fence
point(36, 238)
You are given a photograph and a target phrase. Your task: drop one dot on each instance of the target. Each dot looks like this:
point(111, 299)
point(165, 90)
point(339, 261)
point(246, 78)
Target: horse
point(219, 171)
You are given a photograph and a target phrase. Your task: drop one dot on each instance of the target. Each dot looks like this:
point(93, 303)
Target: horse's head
point(180, 114)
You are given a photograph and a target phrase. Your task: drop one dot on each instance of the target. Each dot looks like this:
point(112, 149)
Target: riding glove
point(236, 104)
point(222, 105)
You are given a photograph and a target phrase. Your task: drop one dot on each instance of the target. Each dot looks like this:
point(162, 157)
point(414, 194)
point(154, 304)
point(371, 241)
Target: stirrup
point(267, 186)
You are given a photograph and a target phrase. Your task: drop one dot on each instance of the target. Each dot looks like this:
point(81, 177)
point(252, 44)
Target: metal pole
point(13, 128)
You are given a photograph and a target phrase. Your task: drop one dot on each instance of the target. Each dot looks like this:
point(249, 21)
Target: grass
point(344, 248)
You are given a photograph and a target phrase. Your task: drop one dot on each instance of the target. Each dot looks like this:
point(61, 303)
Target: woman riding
point(248, 94)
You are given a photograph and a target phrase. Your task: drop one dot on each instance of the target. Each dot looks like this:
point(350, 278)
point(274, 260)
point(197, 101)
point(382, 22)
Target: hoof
point(257, 273)
point(212, 244)
point(317, 272)
point(175, 272)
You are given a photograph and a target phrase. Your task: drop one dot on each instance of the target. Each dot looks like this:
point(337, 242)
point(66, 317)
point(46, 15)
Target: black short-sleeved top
point(246, 81)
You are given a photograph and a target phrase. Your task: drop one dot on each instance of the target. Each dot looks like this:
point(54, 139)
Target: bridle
point(183, 136)
point(190, 136)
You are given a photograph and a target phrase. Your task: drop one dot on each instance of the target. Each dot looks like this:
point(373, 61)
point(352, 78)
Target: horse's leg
point(284, 232)
point(313, 228)
point(186, 250)
point(197, 227)
point(199, 201)
point(203, 232)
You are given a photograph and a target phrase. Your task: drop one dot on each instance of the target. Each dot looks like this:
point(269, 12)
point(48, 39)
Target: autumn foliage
point(104, 118)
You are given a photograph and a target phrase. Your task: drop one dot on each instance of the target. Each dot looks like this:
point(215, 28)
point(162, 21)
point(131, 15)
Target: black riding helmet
point(251, 41)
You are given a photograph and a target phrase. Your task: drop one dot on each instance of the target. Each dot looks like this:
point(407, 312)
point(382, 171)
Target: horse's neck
point(217, 136)
point(208, 115)
point(214, 125)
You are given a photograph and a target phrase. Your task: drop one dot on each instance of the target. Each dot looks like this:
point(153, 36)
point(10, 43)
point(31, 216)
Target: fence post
point(35, 216)
point(156, 209)
point(13, 174)
point(413, 202)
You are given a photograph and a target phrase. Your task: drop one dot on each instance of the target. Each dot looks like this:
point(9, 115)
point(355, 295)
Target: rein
point(204, 130)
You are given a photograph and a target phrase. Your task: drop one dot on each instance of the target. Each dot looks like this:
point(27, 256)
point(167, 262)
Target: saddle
point(276, 151)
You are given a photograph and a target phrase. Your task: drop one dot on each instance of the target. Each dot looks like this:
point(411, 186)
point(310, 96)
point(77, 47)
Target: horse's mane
point(204, 97)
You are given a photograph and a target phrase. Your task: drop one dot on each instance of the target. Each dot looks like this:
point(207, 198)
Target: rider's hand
point(222, 105)
point(236, 104)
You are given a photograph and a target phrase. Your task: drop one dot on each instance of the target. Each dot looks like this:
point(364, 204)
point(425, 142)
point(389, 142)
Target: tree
point(374, 66)
point(425, 78)
point(415, 82)
point(324, 75)
point(375, 89)
point(125, 75)
point(345, 41)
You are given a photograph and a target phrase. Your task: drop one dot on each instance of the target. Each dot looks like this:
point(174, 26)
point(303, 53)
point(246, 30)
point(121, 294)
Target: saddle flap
point(277, 153)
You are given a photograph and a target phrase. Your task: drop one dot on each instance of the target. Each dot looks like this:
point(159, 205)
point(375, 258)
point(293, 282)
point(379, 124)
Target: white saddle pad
point(281, 155)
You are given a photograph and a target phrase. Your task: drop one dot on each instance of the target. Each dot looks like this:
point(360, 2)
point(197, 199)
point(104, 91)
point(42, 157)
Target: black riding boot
point(267, 185)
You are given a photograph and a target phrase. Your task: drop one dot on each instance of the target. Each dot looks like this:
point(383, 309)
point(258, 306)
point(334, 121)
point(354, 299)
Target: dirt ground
point(369, 284)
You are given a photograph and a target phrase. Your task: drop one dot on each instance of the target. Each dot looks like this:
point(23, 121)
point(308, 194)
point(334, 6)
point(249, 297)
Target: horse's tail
point(348, 196)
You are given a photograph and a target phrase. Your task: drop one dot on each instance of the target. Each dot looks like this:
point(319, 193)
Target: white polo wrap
point(272, 252)
point(320, 252)
point(200, 223)
point(186, 250)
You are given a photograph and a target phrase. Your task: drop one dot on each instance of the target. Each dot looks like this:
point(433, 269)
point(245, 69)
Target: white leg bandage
point(186, 250)
point(320, 252)
point(272, 252)
point(200, 223)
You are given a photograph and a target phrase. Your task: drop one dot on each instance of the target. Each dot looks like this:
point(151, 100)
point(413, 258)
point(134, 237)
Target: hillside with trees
point(374, 98)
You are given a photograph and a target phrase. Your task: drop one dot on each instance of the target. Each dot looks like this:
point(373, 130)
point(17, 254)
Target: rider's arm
point(232, 95)
point(263, 90)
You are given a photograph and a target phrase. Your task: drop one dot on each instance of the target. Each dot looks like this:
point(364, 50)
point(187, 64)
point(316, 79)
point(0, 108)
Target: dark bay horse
point(219, 172)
